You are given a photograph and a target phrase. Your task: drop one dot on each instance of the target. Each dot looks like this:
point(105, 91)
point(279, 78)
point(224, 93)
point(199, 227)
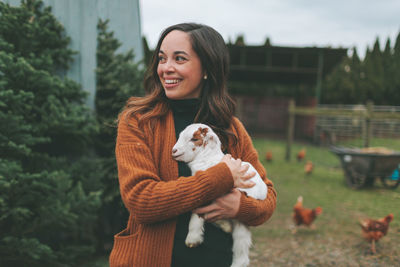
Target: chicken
point(268, 156)
point(373, 230)
point(301, 155)
point(304, 216)
point(308, 168)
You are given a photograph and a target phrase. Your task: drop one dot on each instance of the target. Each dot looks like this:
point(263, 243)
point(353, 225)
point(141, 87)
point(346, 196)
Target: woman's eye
point(180, 58)
point(161, 58)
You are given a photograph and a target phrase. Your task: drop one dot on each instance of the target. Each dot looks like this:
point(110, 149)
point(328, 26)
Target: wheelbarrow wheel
point(388, 182)
point(357, 180)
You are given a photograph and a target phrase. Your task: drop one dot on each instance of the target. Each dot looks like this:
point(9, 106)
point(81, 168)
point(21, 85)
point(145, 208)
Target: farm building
point(80, 18)
point(259, 73)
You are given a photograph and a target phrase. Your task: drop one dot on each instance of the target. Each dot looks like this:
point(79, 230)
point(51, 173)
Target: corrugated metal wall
point(80, 21)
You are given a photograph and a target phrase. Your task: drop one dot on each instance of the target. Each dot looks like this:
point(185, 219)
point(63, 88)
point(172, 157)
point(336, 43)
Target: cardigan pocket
point(122, 254)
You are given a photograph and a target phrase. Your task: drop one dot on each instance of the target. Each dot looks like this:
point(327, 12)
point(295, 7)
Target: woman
point(186, 83)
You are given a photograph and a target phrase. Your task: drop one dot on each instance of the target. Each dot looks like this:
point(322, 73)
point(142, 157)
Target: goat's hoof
point(192, 242)
point(192, 245)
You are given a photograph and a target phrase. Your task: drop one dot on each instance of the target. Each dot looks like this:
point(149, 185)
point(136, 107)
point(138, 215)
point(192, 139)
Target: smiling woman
point(185, 83)
point(179, 67)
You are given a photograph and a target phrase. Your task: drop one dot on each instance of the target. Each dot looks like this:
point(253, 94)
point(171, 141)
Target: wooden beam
point(290, 129)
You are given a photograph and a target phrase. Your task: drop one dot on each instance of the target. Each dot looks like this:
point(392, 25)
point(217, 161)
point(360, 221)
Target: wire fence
point(320, 124)
point(337, 129)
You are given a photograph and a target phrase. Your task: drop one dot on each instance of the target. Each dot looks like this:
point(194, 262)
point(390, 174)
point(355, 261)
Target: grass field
point(337, 239)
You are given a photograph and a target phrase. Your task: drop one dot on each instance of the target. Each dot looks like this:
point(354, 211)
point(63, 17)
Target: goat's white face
point(194, 139)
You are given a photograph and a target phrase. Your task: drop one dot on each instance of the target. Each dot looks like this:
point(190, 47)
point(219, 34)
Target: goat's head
point(195, 139)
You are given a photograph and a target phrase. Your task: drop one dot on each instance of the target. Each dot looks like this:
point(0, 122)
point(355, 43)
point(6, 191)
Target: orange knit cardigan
point(154, 194)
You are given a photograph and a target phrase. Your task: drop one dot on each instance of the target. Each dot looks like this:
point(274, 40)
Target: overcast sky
point(322, 23)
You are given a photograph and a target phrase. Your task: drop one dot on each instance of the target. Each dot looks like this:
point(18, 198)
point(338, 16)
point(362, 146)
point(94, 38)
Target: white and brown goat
point(200, 148)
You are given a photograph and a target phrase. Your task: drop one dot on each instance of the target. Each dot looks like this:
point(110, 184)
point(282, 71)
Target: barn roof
point(279, 64)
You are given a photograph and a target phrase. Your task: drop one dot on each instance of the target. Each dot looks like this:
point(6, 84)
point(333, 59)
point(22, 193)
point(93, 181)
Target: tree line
point(376, 77)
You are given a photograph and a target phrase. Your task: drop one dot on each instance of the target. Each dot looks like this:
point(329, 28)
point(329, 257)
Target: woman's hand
point(225, 207)
point(239, 172)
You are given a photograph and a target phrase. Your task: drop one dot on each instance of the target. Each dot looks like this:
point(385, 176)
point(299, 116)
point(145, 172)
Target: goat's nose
point(174, 150)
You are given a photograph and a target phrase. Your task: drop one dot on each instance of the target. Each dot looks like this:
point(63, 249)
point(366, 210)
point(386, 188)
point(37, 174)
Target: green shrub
point(118, 77)
point(47, 209)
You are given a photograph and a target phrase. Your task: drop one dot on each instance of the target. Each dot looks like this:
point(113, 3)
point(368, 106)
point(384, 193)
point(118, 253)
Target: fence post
point(290, 128)
point(368, 124)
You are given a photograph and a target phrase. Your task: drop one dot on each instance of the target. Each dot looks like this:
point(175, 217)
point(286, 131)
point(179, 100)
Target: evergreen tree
point(240, 40)
point(357, 74)
point(373, 85)
point(338, 83)
point(376, 78)
point(147, 51)
point(387, 55)
point(389, 72)
point(396, 71)
point(118, 77)
point(46, 211)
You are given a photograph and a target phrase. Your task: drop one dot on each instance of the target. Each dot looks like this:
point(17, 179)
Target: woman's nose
point(174, 150)
point(168, 66)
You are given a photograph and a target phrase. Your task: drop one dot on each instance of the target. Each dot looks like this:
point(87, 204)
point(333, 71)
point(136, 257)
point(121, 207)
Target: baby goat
point(200, 148)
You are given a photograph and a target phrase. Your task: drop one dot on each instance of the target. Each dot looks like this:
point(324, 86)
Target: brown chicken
point(268, 156)
point(301, 155)
point(308, 168)
point(304, 216)
point(373, 230)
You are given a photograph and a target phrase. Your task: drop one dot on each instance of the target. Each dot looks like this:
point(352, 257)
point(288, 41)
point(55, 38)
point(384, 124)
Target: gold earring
point(205, 77)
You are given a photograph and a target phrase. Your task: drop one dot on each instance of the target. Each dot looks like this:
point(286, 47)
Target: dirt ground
point(309, 248)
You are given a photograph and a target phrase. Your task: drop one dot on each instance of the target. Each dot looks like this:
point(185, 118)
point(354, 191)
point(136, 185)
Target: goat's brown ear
point(204, 131)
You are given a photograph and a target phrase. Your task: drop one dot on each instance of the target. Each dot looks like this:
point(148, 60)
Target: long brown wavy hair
point(216, 106)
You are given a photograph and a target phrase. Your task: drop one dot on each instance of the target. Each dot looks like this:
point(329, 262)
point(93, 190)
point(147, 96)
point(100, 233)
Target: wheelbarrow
point(362, 165)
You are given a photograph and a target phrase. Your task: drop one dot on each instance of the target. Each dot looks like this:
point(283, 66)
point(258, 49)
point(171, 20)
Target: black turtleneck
point(184, 112)
point(216, 250)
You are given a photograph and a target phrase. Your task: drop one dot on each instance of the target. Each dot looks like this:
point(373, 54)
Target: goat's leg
point(195, 235)
point(241, 245)
point(225, 225)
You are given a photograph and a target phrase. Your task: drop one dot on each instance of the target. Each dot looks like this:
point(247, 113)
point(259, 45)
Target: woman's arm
point(253, 212)
point(150, 198)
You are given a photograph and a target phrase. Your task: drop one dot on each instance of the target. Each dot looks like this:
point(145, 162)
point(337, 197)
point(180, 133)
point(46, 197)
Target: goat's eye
point(194, 139)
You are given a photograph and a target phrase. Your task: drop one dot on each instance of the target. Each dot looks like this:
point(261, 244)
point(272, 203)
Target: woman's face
point(179, 67)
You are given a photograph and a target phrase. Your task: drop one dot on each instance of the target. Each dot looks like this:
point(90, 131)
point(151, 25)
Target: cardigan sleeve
point(148, 197)
point(253, 212)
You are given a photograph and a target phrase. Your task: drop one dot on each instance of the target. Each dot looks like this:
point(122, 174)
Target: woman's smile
point(171, 83)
